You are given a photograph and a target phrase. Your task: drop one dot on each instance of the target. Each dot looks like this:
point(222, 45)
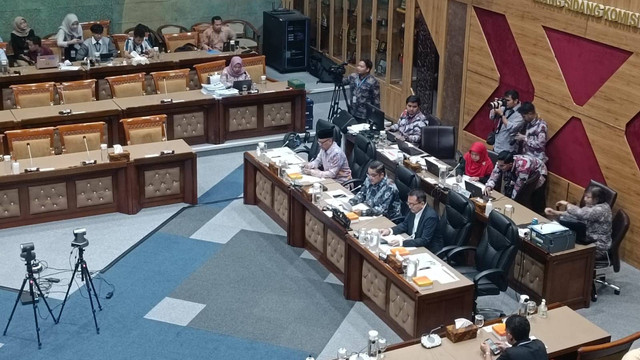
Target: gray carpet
point(270, 294)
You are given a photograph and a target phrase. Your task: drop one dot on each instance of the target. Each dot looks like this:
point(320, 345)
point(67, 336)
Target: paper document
point(360, 207)
point(339, 194)
point(354, 129)
point(439, 274)
point(549, 228)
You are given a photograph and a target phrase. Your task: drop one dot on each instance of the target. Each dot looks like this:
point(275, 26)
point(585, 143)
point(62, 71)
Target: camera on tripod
point(337, 71)
point(79, 240)
point(498, 103)
point(26, 252)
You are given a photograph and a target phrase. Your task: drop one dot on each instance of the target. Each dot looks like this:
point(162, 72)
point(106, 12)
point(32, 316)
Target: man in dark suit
point(522, 347)
point(421, 224)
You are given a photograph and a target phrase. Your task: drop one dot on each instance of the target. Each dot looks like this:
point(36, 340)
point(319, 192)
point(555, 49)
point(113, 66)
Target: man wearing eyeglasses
point(379, 193)
point(421, 224)
point(331, 162)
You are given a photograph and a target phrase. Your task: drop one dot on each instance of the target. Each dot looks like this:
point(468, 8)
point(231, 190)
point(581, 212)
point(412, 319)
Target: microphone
point(32, 168)
point(453, 170)
point(86, 147)
point(431, 340)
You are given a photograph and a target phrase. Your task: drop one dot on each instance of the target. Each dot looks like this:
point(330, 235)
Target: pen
point(448, 273)
point(424, 268)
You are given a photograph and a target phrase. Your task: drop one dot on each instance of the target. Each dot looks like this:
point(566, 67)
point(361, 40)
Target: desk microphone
point(453, 170)
point(32, 168)
point(431, 340)
point(86, 147)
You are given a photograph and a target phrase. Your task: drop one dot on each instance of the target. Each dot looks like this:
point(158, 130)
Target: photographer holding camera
point(365, 89)
point(534, 140)
point(508, 121)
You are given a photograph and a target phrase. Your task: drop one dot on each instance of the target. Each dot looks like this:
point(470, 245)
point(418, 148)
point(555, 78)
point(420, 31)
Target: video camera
point(26, 252)
point(337, 71)
point(79, 240)
point(498, 103)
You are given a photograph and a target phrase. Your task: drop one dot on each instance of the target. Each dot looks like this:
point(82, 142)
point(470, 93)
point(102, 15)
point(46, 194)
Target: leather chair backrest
point(72, 136)
point(439, 141)
point(314, 150)
point(145, 129)
point(33, 95)
point(72, 92)
point(493, 156)
point(40, 142)
point(433, 120)
point(255, 66)
point(457, 220)
point(406, 180)
point(609, 194)
point(127, 85)
point(498, 246)
point(207, 69)
point(619, 227)
point(363, 153)
point(525, 194)
point(171, 81)
point(174, 41)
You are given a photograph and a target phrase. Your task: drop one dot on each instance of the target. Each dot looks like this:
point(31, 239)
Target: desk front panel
point(264, 189)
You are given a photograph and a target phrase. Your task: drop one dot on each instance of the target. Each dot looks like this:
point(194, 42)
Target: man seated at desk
point(412, 120)
point(379, 193)
point(515, 170)
point(522, 346)
point(96, 45)
point(421, 224)
point(331, 159)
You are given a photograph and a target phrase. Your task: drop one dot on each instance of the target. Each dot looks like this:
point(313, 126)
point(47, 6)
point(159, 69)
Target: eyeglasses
point(413, 204)
point(372, 175)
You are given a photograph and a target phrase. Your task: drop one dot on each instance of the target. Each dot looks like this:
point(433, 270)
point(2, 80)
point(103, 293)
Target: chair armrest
point(458, 251)
point(496, 276)
point(442, 254)
point(352, 184)
point(303, 149)
point(398, 220)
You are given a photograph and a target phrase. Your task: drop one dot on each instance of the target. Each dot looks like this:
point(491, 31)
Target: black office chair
point(440, 141)
point(364, 152)
point(406, 180)
point(313, 151)
point(432, 120)
point(493, 156)
point(610, 195)
point(494, 257)
point(525, 195)
point(456, 222)
point(619, 227)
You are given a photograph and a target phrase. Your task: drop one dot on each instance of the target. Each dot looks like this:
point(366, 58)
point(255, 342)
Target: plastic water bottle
point(488, 208)
point(104, 153)
point(372, 346)
point(542, 309)
point(362, 237)
point(374, 240)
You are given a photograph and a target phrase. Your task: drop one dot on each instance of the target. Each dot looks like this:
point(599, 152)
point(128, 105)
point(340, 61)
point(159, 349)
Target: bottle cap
point(103, 146)
point(7, 158)
point(373, 335)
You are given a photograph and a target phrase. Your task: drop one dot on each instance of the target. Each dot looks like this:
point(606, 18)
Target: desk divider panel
point(188, 125)
point(162, 182)
point(529, 272)
point(314, 231)
point(48, 198)
point(277, 114)
point(374, 285)
point(93, 192)
point(402, 309)
point(281, 203)
point(336, 250)
point(243, 118)
point(264, 190)
point(9, 203)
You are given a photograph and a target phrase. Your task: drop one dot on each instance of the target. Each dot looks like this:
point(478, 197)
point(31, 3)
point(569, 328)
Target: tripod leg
point(95, 293)
point(24, 282)
point(35, 312)
point(45, 301)
point(75, 269)
point(85, 274)
point(346, 99)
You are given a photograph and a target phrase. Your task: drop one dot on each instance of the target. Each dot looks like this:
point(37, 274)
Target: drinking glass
point(382, 346)
point(531, 308)
point(478, 320)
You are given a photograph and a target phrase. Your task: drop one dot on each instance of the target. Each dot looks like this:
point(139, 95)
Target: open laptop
point(432, 166)
point(238, 85)
point(408, 148)
point(476, 190)
point(226, 46)
point(47, 61)
point(106, 57)
point(376, 118)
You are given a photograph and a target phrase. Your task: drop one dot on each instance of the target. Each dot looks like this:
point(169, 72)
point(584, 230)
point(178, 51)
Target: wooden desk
point(563, 332)
point(105, 110)
point(69, 190)
point(7, 120)
point(191, 116)
point(274, 110)
point(29, 74)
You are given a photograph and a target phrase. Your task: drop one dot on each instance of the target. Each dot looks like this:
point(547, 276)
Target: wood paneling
point(604, 116)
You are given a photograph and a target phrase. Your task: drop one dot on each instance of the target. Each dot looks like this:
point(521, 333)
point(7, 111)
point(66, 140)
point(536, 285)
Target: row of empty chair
point(41, 141)
point(43, 94)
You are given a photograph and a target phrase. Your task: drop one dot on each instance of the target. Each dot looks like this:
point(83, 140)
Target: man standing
point(421, 224)
point(331, 162)
point(522, 346)
point(96, 45)
point(411, 122)
point(509, 123)
point(379, 193)
point(214, 37)
point(365, 89)
point(515, 170)
point(534, 141)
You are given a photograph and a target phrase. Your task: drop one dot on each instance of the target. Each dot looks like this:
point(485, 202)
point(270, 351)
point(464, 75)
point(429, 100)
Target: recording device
point(86, 147)
point(79, 241)
point(498, 103)
point(495, 350)
point(337, 71)
point(65, 112)
point(26, 252)
point(431, 340)
point(32, 168)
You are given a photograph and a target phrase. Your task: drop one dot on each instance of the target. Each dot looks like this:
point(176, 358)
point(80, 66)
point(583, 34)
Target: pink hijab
point(231, 71)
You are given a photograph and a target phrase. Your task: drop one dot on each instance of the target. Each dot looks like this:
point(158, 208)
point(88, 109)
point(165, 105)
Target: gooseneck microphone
point(31, 168)
point(86, 147)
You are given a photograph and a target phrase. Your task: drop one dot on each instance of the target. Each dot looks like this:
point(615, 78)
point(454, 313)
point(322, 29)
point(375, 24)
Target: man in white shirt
point(96, 45)
point(421, 224)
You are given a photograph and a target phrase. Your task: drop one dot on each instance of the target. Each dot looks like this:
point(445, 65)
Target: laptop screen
point(242, 85)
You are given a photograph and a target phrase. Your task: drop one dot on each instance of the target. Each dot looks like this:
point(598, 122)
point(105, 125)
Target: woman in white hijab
point(69, 36)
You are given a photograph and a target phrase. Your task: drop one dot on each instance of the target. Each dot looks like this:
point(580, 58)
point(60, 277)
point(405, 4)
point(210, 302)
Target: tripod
point(86, 278)
point(32, 281)
point(338, 89)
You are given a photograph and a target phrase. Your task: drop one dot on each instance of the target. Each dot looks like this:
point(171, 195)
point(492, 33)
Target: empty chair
point(127, 85)
point(205, 70)
point(171, 81)
point(619, 227)
point(38, 141)
point(246, 34)
point(440, 141)
point(77, 91)
point(608, 351)
point(493, 156)
point(406, 180)
point(146, 129)
point(456, 222)
point(118, 41)
point(174, 41)
point(255, 66)
point(170, 29)
point(72, 136)
point(33, 95)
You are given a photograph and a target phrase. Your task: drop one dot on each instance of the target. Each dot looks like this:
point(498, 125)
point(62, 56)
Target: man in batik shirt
point(331, 162)
point(515, 170)
point(534, 141)
point(379, 193)
point(365, 89)
point(411, 122)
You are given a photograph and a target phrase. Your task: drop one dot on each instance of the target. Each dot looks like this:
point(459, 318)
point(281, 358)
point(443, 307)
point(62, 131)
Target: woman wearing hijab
point(69, 36)
point(478, 165)
point(21, 32)
point(234, 72)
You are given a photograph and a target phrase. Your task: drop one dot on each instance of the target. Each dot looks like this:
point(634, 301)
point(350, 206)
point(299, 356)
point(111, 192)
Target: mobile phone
point(495, 350)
